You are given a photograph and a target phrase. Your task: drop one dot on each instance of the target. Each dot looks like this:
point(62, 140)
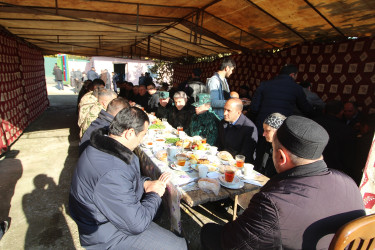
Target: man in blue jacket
point(112, 204)
point(218, 87)
point(279, 95)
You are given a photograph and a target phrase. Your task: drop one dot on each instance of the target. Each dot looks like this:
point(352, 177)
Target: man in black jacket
point(180, 115)
point(299, 208)
point(237, 134)
point(281, 94)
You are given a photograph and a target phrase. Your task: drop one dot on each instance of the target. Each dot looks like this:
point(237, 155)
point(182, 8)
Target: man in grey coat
point(111, 202)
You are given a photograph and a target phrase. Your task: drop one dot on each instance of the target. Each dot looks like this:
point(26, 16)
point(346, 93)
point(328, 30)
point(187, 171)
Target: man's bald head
point(236, 103)
point(232, 110)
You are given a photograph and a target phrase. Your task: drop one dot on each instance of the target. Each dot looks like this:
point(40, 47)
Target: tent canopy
point(173, 29)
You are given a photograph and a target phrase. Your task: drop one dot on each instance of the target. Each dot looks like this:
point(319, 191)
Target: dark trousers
point(211, 236)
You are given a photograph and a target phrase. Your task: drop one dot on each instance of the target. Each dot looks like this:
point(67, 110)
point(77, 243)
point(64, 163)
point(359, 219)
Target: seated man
point(264, 163)
point(142, 97)
point(112, 204)
point(104, 119)
point(164, 105)
point(299, 208)
point(88, 100)
point(153, 100)
point(104, 97)
point(204, 122)
point(237, 134)
point(181, 113)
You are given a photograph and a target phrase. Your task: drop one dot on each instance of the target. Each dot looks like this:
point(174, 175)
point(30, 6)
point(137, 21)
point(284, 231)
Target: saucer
point(235, 184)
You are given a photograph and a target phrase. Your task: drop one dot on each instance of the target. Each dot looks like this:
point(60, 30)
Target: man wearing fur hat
point(204, 122)
point(302, 206)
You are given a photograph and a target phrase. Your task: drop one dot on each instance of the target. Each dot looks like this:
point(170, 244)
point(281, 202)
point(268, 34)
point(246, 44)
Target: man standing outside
point(218, 87)
point(237, 134)
point(112, 204)
point(92, 75)
point(302, 206)
point(58, 77)
point(279, 95)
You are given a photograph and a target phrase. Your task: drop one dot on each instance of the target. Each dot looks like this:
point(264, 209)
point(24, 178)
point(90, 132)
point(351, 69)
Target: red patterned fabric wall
point(342, 71)
point(23, 92)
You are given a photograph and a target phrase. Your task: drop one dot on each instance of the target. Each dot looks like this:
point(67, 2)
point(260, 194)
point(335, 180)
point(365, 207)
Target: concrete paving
point(35, 178)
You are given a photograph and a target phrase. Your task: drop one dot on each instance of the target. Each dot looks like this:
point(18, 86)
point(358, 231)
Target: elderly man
point(181, 113)
point(104, 119)
point(112, 204)
point(218, 86)
point(105, 96)
point(164, 105)
point(237, 134)
point(263, 162)
point(281, 94)
point(299, 208)
point(204, 122)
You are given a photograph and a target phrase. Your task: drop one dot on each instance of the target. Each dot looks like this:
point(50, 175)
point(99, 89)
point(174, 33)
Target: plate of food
point(235, 184)
point(211, 168)
point(162, 155)
point(225, 156)
point(184, 143)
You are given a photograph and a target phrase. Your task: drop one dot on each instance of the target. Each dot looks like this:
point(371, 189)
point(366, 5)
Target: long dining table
point(183, 184)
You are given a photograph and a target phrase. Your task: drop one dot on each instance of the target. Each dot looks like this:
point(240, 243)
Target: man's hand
point(157, 186)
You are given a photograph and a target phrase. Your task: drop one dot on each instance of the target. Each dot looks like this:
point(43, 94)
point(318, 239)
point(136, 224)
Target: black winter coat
point(281, 94)
point(181, 118)
point(300, 208)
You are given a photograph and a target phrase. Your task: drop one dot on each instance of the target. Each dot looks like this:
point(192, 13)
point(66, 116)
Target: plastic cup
point(203, 170)
point(240, 161)
point(213, 150)
point(248, 169)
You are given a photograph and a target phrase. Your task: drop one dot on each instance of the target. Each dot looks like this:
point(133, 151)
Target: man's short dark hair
point(130, 84)
point(333, 107)
point(116, 105)
point(132, 117)
point(288, 69)
point(197, 72)
point(98, 82)
point(151, 84)
point(227, 62)
point(305, 84)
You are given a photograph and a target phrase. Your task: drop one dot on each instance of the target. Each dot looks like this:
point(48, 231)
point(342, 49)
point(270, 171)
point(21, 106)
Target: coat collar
point(312, 169)
point(101, 141)
point(239, 123)
point(105, 116)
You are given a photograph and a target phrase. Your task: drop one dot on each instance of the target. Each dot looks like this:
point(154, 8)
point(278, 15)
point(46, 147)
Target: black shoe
point(4, 226)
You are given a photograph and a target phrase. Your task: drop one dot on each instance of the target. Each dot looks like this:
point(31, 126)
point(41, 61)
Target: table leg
point(235, 207)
